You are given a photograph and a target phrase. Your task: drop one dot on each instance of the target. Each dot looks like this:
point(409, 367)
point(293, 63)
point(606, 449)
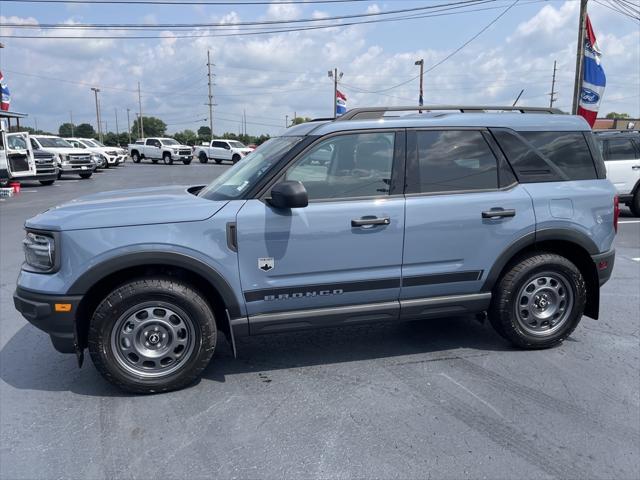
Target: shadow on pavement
point(28, 360)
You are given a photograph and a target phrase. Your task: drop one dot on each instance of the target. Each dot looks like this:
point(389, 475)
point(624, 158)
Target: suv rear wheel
point(539, 301)
point(152, 335)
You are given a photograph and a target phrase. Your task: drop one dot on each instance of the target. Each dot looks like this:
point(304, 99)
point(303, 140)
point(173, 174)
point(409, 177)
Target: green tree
point(66, 130)
point(153, 127)
point(204, 132)
point(84, 130)
point(186, 137)
point(614, 115)
point(299, 120)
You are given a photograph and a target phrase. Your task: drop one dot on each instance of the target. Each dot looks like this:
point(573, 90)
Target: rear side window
point(547, 156)
point(452, 160)
point(619, 149)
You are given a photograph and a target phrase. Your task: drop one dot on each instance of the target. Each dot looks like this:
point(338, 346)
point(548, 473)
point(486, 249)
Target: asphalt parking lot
point(442, 398)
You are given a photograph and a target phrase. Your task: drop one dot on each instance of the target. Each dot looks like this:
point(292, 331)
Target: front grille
point(112, 153)
point(185, 152)
point(43, 169)
point(79, 159)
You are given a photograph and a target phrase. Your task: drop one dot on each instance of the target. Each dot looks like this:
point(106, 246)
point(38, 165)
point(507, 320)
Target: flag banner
point(4, 92)
point(593, 78)
point(341, 103)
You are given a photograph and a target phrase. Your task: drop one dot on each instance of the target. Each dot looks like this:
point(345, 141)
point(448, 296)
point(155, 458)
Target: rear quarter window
point(619, 149)
point(547, 156)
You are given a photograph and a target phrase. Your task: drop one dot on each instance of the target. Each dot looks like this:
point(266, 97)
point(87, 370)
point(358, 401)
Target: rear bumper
point(39, 310)
point(604, 265)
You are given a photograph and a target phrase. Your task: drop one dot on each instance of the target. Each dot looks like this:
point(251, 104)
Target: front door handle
point(370, 220)
point(499, 213)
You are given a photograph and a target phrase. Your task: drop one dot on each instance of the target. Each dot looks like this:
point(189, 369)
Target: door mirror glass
point(289, 194)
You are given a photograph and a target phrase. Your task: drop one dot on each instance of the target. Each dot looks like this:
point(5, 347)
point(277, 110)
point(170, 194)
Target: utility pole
point(141, 122)
point(553, 86)
point(336, 76)
point(71, 118)
point(117, 132)
point(128, 125)
point(210, 102)
point(420, 94)
point(95, 92)
point(35, 120)
point(244, 122)
point(286, 121)
point(582, 22)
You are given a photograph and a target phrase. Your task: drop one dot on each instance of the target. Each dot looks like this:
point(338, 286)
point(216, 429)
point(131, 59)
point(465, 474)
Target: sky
point(276, 75)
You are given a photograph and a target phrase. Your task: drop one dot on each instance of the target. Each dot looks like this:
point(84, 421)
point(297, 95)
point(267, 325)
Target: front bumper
point(181, 158)
point(71, 168)
point(604, 265)
point(40, 310)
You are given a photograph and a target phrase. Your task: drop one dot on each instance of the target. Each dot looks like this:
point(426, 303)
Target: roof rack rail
point(372, 113)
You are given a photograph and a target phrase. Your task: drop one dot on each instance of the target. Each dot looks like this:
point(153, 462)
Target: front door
point(20, 160)
point(338, 260)
point(463, 210)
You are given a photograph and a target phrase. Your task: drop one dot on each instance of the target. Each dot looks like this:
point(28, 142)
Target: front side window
point(16, 142)
point(452, 160)
point(345, 166)
point(619, 149)
point(243, 175)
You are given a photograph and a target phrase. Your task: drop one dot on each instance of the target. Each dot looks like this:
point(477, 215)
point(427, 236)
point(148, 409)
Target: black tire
point(59, 174)
point(85, 175)
point(235, 159)
point(186, 162)
point(166, 158)
point(146, 293)
point(217, 160)
point(135, 157)
point(635, 204)
point(47, 182)
point(203, 157)
point(505, 302)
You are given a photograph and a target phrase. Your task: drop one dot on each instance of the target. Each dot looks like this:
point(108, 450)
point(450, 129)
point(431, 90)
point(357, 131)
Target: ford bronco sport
point(483, 210)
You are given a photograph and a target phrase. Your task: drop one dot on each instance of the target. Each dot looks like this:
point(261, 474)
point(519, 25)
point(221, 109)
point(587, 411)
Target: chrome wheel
point(544, 304)
point(153, 339)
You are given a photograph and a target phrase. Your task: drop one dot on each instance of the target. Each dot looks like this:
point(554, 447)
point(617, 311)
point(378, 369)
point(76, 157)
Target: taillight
point(616, 212)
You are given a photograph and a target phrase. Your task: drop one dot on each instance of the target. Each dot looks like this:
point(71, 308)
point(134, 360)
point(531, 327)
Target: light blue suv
point(375, 216)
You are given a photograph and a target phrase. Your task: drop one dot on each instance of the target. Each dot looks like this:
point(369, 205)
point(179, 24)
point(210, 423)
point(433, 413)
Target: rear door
point(338, 260)
point(464, 208)
point(622, 160)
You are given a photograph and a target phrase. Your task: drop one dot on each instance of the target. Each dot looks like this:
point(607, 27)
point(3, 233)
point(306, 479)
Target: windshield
point(53, 142)
point(94, 143)
point(169, 141)
point(235, 144)
point(232, 183)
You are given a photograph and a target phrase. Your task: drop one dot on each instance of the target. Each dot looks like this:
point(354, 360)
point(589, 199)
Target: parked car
point(108, 156)
point(621, 152)
point(221, 149)
point(413, 217)
point(70, 160)
point(18, 162)
point(166, 149)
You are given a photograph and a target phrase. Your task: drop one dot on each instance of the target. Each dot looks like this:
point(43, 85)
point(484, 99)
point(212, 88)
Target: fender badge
point(266, 264)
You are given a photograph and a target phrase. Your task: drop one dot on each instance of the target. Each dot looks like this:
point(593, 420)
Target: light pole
point(420, 97)
point(128, 125)
point(96, 91)
point(336, 76)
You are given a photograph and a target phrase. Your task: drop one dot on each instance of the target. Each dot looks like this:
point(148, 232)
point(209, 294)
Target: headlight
point(39, 251)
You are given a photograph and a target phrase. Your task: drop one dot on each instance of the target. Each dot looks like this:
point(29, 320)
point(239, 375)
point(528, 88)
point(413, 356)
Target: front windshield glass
point(169, 141)
point(54, 142)
point(94, 143)
point(236, 144)
point(239, 178)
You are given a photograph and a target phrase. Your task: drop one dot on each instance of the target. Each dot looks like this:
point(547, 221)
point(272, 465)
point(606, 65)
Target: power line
point(254, 31)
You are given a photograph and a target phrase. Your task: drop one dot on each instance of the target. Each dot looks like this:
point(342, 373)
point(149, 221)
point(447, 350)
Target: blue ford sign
point(589, 96)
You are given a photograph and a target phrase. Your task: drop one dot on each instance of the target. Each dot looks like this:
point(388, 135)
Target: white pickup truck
point(621, 153)
point(220, 149)
point(166, 149)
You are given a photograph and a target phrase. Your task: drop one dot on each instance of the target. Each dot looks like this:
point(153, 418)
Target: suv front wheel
point(152, 335)
point(538, 301)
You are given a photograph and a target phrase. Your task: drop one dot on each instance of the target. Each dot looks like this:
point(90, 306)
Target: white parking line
point(628, 221)
point(636, 259)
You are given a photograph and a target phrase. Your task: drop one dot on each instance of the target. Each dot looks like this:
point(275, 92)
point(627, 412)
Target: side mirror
point(289, 194)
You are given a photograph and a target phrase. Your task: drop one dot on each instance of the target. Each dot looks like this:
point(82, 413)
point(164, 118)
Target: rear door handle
point(499, 213)
point(635, 167)
point(370, 220)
